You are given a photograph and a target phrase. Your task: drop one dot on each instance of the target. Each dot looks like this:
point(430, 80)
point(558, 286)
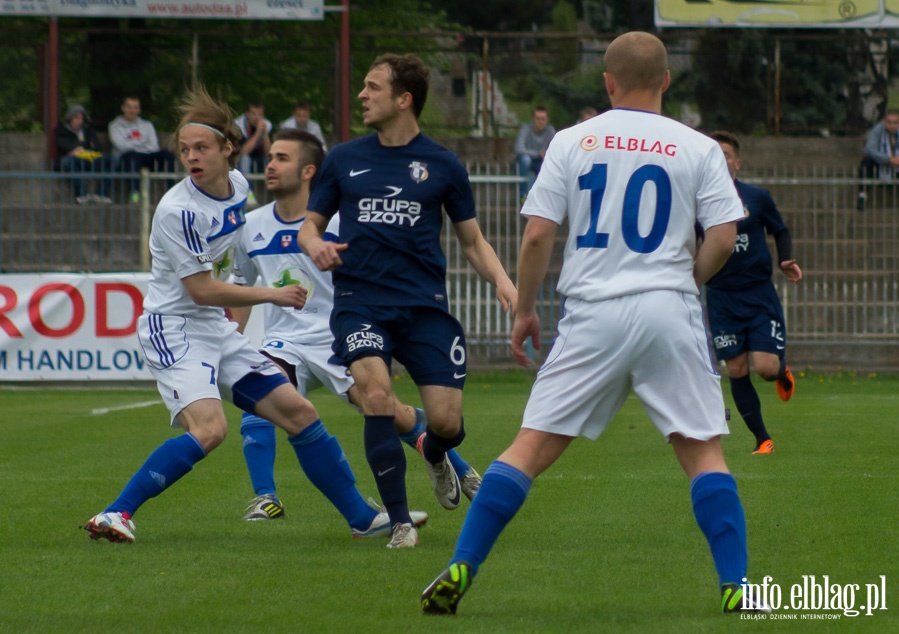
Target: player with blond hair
point(193, 349)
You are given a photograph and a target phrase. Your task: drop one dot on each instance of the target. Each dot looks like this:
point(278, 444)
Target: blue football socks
point(259, 451)
point(503, 491)
point(719, 513)
point(165, 466)
point(327, 468)
point(388, 465)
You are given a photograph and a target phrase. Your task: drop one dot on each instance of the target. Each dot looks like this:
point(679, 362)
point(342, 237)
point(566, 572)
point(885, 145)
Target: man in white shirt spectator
point(135, 144)
point(300, 120)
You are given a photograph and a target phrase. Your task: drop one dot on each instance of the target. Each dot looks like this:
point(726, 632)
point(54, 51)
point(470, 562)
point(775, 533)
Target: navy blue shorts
point(429, 342)
point(749, 320)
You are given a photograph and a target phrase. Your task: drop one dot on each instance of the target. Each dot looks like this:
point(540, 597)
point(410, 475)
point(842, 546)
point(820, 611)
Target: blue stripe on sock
point(314, 432)
point(503, 469)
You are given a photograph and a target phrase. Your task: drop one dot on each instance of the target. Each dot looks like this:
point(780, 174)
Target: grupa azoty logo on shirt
point(390, 209)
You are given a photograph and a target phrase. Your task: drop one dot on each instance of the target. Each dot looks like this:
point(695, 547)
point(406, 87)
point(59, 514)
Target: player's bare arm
point(716, 247)
point(483, 258)
point(533, 262)
point(241, 315)
point(204, 290)
point(324, 253)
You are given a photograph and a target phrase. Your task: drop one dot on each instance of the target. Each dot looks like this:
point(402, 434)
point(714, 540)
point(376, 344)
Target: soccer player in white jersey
point(299, 340)
point(391, 190)
point(632, 184)
point(193, 349)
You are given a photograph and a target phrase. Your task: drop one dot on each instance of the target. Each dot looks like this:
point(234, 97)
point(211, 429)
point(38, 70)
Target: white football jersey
point(192, 232)
point(268, 251)
point(632, 185)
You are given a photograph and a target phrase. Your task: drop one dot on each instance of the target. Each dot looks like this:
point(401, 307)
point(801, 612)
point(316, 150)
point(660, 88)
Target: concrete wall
point(27, 151)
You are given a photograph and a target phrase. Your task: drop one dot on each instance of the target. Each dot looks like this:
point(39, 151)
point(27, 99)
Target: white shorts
point(653, 342)
point(192, 358)
point(310, 362)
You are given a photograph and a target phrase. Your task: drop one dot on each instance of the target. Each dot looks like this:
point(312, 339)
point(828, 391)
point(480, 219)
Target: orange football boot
point(786, 386)
point(765, 447)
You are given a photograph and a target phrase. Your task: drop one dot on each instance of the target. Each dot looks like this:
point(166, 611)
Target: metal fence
point(849, 299)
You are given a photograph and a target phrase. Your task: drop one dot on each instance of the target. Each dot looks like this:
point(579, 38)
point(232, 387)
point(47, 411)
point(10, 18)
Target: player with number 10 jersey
point(631, 209)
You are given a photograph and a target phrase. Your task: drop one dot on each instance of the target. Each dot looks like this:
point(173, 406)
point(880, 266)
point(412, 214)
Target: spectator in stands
point(135, 145)
point(78, 150)
point(587, 113)
point(530, 147)
point(256, 141)
point(881, 156)
point(300, 120)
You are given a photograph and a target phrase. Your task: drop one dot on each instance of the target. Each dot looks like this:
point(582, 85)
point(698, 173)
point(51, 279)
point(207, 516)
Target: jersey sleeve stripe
point(191, 236)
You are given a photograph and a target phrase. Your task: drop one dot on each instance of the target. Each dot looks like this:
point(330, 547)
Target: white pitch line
point(119, 408)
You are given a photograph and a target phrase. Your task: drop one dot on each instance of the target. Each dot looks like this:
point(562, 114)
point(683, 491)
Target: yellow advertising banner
point(869, 14)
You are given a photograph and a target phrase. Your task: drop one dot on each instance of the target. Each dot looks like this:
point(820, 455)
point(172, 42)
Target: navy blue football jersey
point(750, 263)
point(390, 201)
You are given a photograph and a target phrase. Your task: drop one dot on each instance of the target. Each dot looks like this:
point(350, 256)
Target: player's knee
point(768, 371)
point(299, 415)
point(377, 401)
point(210, 434)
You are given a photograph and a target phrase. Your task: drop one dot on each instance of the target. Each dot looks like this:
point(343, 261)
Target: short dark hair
point(727, 137)
point(302, 105)
point(255, 103)
point(408, 73)
point(311, 150)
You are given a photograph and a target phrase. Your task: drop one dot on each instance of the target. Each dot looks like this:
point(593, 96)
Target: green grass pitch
point(606, 541)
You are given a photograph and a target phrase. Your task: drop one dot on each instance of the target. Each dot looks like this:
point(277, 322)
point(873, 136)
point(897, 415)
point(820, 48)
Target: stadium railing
point(845, 313)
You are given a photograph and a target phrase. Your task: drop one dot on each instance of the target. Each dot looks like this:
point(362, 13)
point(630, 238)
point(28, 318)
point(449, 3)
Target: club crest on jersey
point(418, 171)
point(286, 239)
point(589, 143)
point(233, 217)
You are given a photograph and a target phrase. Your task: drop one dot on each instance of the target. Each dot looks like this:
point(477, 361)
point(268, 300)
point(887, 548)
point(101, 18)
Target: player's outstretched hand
point(791, 270)
point(525, 325)
point(291, 296)
point(326, 254)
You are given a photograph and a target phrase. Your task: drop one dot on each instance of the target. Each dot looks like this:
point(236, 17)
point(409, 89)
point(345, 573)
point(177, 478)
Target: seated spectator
point(78, 150)
point(255, 131)
point(881, 155)
point(530, 147)
point(135, 145)
point(300, 120)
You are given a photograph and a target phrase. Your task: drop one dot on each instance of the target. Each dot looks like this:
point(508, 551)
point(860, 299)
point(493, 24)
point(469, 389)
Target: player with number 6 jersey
point(390, 276)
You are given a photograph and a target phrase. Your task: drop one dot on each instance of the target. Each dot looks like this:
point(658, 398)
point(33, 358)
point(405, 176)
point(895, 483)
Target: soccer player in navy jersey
point(745, 315)
point(389, 275)
point(632, 185)
point(299, 340)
